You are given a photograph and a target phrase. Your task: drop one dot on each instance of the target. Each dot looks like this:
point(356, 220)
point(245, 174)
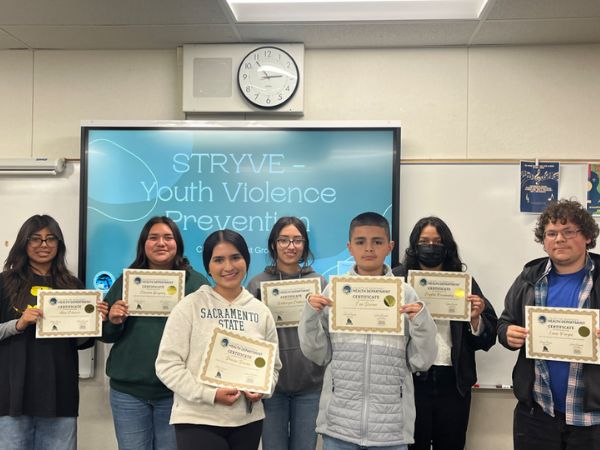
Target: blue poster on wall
point(593, 189)
point(539, 185)
point(210, 178)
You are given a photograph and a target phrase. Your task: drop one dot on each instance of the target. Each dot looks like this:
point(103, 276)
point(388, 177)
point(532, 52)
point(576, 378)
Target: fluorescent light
point(354, 10)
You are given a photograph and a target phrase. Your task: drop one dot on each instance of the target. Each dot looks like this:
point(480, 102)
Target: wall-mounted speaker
point(214, 83)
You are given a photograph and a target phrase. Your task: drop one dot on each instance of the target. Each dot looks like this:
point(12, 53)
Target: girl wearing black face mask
point(443, 393)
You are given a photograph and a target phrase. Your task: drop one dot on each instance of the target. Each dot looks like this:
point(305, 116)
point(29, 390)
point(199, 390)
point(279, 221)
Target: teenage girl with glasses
point(39, 391)
point(291, 412)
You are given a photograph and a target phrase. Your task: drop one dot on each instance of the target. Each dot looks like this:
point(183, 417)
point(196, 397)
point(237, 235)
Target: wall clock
point(268, 77)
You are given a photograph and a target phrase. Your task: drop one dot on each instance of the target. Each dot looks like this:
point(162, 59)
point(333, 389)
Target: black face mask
point(431, 255)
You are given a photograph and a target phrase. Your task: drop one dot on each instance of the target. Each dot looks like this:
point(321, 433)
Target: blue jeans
point(330, 443)
point(38, 433)
point(290, 420)
point(142, 424)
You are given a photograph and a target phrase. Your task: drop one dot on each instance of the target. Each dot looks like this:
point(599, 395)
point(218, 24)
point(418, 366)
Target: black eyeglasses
point(36, 241)
point(285, 242)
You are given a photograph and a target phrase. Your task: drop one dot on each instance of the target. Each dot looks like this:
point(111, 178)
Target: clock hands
point(266, 75)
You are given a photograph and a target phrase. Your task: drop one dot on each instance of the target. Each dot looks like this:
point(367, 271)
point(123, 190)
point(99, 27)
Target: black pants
point(207, 437)
point(442, 413)
point(533, 429)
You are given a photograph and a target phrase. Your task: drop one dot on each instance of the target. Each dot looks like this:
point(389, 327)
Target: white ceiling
point(161, 24)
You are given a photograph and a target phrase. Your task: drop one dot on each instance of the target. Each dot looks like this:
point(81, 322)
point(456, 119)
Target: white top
point(443, 340)
point(186, 335)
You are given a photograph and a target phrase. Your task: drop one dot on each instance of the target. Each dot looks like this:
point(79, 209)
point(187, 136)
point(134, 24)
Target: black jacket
point(521, 294)
point(464, 343)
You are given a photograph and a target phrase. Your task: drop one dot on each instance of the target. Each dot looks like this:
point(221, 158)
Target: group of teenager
point(359, 391)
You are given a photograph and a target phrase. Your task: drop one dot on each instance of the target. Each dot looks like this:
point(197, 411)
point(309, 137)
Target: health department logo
point(53, 301)
point(423, 281)
point(103, 281)
point(224, 342)
point(275, 292)
point(542, 319)
point(346, 289)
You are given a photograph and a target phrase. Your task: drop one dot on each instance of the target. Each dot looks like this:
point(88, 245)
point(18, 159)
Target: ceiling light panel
point(354, 10)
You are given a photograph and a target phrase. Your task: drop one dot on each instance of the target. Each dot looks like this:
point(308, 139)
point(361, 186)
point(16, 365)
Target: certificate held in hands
point(286, 298)
point(562, 334)
point(152, 292)
point(236, 361)
point(366, 305)
point(68, 313)
point(444, 293)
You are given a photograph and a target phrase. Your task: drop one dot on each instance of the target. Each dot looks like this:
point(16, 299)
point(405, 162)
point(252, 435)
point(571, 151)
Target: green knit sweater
point(130, 364)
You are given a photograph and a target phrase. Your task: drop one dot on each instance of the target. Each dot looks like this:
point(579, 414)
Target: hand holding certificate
point(444, 293)
point(152, 292)
point(562, 334)
point(236, 361)
point(286, 298)
point(366, 305)
point(68, 313)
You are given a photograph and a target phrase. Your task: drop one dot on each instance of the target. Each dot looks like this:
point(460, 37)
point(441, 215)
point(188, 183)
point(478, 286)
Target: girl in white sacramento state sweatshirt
point(216, 418)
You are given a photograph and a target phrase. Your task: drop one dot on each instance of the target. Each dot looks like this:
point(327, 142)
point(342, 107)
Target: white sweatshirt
point(187, 333)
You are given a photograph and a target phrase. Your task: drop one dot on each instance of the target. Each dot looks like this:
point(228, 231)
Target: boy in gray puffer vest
point(367, 400)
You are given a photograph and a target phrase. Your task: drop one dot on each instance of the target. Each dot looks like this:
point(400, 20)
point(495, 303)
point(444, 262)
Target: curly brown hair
point(565, 211)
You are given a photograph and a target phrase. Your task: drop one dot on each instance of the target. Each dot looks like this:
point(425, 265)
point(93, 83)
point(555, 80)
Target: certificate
point(366, 305)
point(237, 361)
point(68, 313)
point(286, 298)
point(562, 334)
point(444, 293)
point(152, 292)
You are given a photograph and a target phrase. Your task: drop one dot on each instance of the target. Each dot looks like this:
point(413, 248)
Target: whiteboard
point(480, 204)
point(58, 196)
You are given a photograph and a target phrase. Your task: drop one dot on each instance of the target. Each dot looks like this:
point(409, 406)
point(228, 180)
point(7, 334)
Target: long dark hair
point(229, 236)
point(180, 262)
point(307, 257)
point(18, 276)
point(452, 262)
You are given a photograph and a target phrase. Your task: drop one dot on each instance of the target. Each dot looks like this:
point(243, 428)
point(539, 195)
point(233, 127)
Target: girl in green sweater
point(141, 403)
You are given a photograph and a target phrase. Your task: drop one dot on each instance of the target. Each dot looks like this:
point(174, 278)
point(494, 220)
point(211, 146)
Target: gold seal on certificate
point(152, 292)
point(68, 313)
point(366, 305)
point(237, 361)
point(562, 334)
point(444, 293)
point(286, 298)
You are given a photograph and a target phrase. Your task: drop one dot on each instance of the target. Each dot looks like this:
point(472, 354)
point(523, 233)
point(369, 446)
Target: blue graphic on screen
point(210, 179)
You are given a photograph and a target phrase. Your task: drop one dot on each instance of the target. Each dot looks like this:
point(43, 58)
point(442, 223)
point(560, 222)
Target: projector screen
point(242, 176)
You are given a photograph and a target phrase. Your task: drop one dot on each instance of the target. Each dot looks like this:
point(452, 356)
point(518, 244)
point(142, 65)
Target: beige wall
point(456, 103)
point(482, 103)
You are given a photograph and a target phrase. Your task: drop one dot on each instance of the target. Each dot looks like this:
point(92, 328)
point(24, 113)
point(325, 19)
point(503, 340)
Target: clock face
point(268, 77)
